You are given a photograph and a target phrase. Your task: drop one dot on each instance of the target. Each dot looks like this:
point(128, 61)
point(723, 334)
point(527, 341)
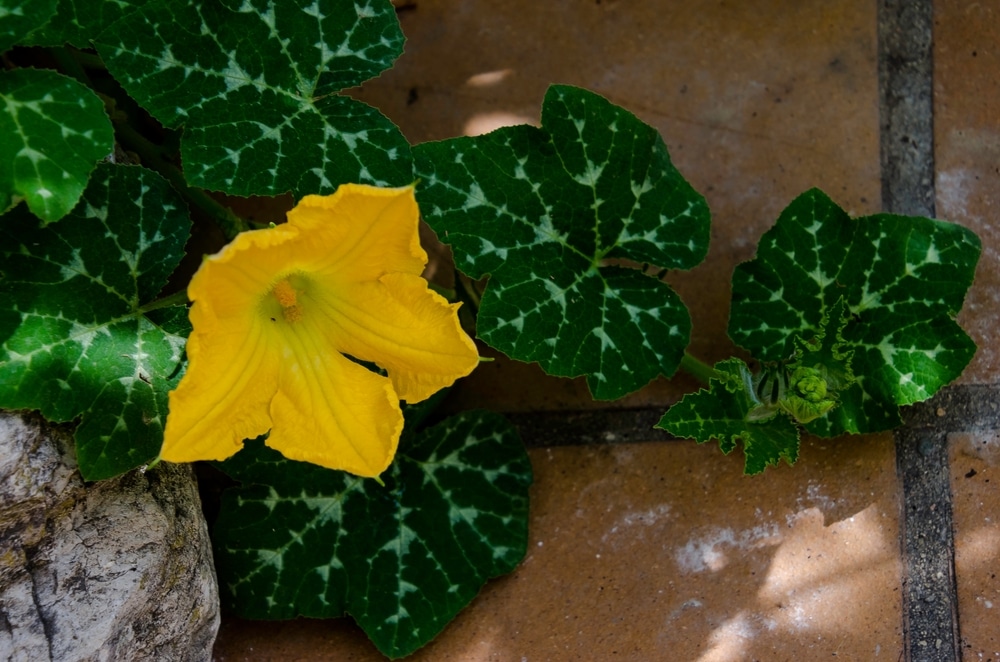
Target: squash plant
point(119, 117)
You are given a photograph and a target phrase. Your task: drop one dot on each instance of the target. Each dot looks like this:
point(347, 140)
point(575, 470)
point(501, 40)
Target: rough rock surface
point(115, 570)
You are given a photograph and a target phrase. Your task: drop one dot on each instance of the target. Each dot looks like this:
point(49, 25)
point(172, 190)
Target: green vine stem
point(175, 299)
point(470, 289)
point(697, 369)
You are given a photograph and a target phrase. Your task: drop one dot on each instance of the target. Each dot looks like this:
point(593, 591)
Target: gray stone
point(114, 570)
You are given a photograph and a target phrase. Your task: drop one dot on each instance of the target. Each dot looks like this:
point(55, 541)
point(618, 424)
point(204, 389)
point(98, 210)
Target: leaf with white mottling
point(74, 338)
point(403, 558)
point(76, 22)
point(19, 18)
point(255, 85)
point(53, 130)
point(903, 280)
point(556, 217)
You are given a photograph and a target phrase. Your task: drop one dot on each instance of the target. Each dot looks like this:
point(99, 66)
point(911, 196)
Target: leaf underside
point(403, 559)
point(559, 217)
point(73, 340)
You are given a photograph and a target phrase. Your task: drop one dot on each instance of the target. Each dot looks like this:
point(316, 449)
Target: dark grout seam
point(582, 428)
point(906, 118)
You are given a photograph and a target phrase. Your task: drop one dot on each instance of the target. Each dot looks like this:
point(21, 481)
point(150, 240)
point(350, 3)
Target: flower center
point(288, 299)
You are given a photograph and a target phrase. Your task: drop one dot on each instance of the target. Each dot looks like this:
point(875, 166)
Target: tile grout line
point(906, 118)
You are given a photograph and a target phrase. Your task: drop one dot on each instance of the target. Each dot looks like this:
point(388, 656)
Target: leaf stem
point(470, 289)
point(88, 60)
point(175, 299)
point(697, 368)
point(230, 224)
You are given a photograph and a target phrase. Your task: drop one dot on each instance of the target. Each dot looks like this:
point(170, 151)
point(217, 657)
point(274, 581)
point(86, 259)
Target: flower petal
point(403, 326)
point(331, 411)
point(359, 233)
point(233, 362)
point(223, 397)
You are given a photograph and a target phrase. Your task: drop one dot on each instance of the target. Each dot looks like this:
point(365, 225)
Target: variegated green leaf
point(255, 84)
point(77, 22)
point(75, 338)
point(19, 18)
point(559, 218)
point(403, 558)
point(53, 130)
point(903, 280)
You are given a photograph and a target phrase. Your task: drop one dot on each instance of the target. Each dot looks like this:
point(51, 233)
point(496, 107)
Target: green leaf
point(53, 131)
point(255, 86)
point(74, 340)
point(19, 18)
point(77, 22)
point(403, 559)
point(721, 412)
point(903, 280)
point(556, 216)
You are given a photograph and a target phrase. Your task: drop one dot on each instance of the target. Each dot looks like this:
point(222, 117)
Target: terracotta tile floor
point(662, 550)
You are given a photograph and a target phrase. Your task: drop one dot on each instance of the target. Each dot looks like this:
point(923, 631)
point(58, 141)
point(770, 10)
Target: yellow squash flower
point(278, 312)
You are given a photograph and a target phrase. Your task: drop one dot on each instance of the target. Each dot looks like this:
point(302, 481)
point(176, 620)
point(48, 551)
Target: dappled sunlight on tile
point(489, 78)
point(977, 548)
point(824, 582)
point(729, 641)
point(819, 575)
point(481, 123)
point(482, 647)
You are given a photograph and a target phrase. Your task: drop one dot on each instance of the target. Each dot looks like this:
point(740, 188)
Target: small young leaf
point(723, 412)
point(19, 18)
point(903, 279)
point(74, 340)
point(53, 131)
point(404, 558)
point(554, 216)
point(255, 85)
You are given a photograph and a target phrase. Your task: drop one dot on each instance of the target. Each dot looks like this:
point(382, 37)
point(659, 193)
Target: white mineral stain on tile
point(815, 497)
point(624, 524)
point(711, 551)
